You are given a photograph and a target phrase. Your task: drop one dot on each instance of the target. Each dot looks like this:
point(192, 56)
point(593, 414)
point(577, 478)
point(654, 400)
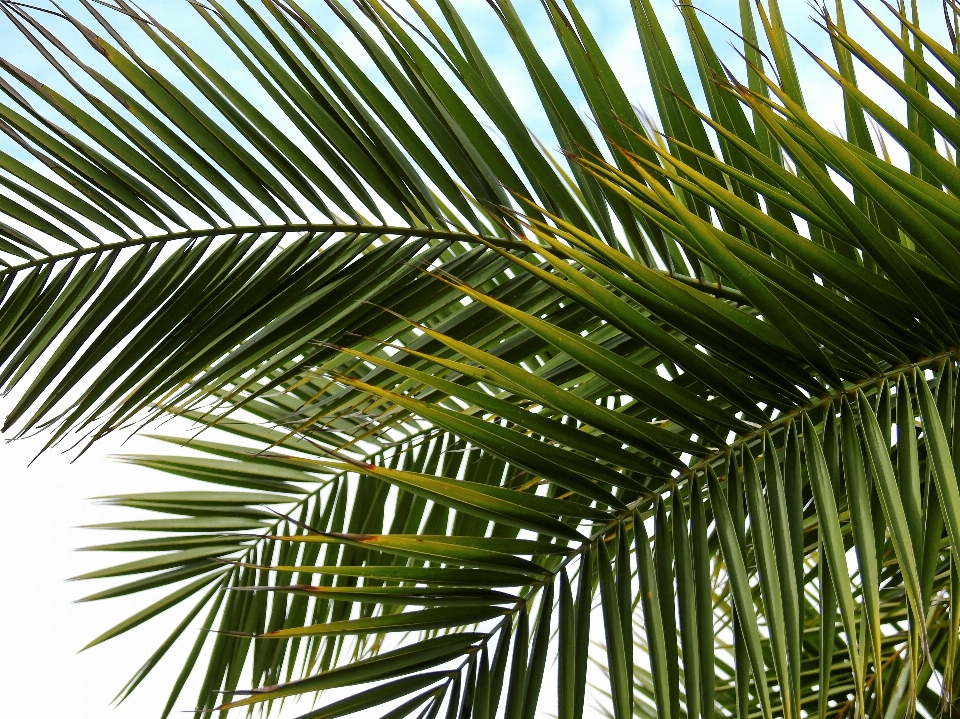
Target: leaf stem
point(263, 229)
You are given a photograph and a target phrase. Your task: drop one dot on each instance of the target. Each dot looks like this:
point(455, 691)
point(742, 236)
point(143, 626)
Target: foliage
point(697, 385)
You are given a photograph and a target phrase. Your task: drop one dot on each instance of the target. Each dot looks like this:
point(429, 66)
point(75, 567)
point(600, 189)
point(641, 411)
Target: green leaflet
point(612, 623)
point(186, 571)
point(524, 510)
point(154, 609)
point(823, 493)
point(517, 678)
point(652, 611)
point(165, 543)
point(163, 561)
point(944, 472)
point(859, 497)
point(191, 524)
point(781, 525)
point(686, 601)
point(893, 506)
point(567, 647)
point(538, 655)
point(399, 596)
point(417, 575)
point(766, 557)
point(241, 474)
point(463, 551)
point(423, 620)
point(397, 662)
point(377, 696)
point(201, 498)
point(733, 555)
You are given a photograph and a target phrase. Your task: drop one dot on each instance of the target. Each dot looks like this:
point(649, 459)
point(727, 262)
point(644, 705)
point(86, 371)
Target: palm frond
point(698, 386)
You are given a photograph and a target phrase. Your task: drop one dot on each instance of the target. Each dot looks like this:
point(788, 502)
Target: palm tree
point(695, 387)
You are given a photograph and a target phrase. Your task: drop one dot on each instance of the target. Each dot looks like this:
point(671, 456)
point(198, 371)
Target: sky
point(44, 502)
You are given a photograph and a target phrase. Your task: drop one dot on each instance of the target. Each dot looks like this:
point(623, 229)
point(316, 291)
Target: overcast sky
point(41, 629)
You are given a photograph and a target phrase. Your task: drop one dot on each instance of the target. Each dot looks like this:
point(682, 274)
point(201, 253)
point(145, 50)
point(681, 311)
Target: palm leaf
point(453, 387)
